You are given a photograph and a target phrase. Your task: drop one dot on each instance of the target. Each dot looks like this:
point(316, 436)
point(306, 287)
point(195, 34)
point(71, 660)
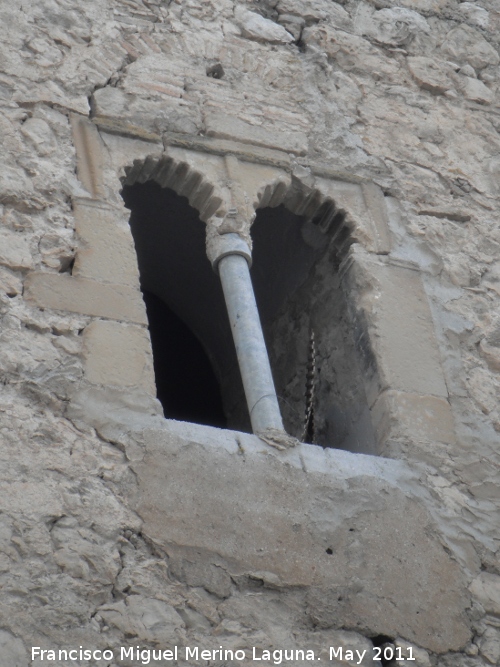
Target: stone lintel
point(325, 171)
point(222, 147)
point(116, 126)
point(84, 296)
point(223, 126)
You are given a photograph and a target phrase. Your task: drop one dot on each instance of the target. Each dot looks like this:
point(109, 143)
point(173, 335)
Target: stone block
point(293, 24)
point(465, 44)
point(396, 335)
point(430, 74)
point(365, 547)
point(313, 11)
point(491, 354)
point(268, 156)
point(88, 146)
point(118, 355)
point(395, 26)
point(88, 297)
point(255, 26)
point(377, 210)
point(474, 14)
point(398, 415)
point(118, 415)
point(431, 6)
point(143, 117)
point(224, 126)
point(13, 650)
point(486, 588)
point(119, 126)
point(475, 90)
point(148, 619)
point(107, 250)
point(15, 250)
point(41, 136)
point(51, 94)
point(10, 283)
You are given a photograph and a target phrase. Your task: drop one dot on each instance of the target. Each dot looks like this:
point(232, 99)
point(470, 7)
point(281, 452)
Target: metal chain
point(308, 432)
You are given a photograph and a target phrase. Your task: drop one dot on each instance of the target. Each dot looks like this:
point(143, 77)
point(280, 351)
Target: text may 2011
point(143, 656)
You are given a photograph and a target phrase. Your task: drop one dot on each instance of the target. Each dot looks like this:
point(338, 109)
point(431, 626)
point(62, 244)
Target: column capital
point(222, 245)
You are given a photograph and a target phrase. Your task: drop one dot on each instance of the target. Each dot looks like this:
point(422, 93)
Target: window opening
point(196, 369)
point(299, 294)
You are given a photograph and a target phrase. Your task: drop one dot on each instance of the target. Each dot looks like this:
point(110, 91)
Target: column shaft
point(250, 345)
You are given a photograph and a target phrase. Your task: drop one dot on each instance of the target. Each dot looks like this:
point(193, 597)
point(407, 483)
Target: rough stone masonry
point(119, 528)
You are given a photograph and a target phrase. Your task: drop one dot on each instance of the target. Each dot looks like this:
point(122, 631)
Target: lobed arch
point(179, 176)
point(209, 195)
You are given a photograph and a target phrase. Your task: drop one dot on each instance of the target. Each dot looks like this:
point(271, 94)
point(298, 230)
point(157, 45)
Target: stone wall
point(121, 528)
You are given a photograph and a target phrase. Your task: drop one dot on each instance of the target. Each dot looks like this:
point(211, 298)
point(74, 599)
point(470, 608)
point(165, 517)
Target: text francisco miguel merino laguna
point(143, 656)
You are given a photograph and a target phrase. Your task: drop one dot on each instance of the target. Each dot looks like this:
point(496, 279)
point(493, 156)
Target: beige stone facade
point(374, 126)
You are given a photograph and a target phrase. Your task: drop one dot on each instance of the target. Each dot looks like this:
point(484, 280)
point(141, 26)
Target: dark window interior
point(186, 384)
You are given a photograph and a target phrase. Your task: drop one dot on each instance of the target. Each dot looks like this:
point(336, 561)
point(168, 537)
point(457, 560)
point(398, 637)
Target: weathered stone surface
point(129, 114)
point(426, 6)
point(351, 52)
point(249, 152)
point(10, 283)
point(15, 250)
point(106, 251)
point(16, 188)
point(149, 620)
point(475, 90)
point(486, 588)
point(302, 535)
point(417, 655)
point(57, 252)
point(13, 651)
point(474, 14)
point(489, 645)
point(119, 355)
point(310, 10)
point(412, 417)
point(465, 44)
point(293, 24)
point(492, 355)
point(52, 94)
point(114, 412)
point(403, 340)
point(377, 211)
point(392, 27)
point(430, 74)
point(365, 98)
point(41, 135)
point(226, 127)
point(88, 297)
point(88, 146)
point(255, 26)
